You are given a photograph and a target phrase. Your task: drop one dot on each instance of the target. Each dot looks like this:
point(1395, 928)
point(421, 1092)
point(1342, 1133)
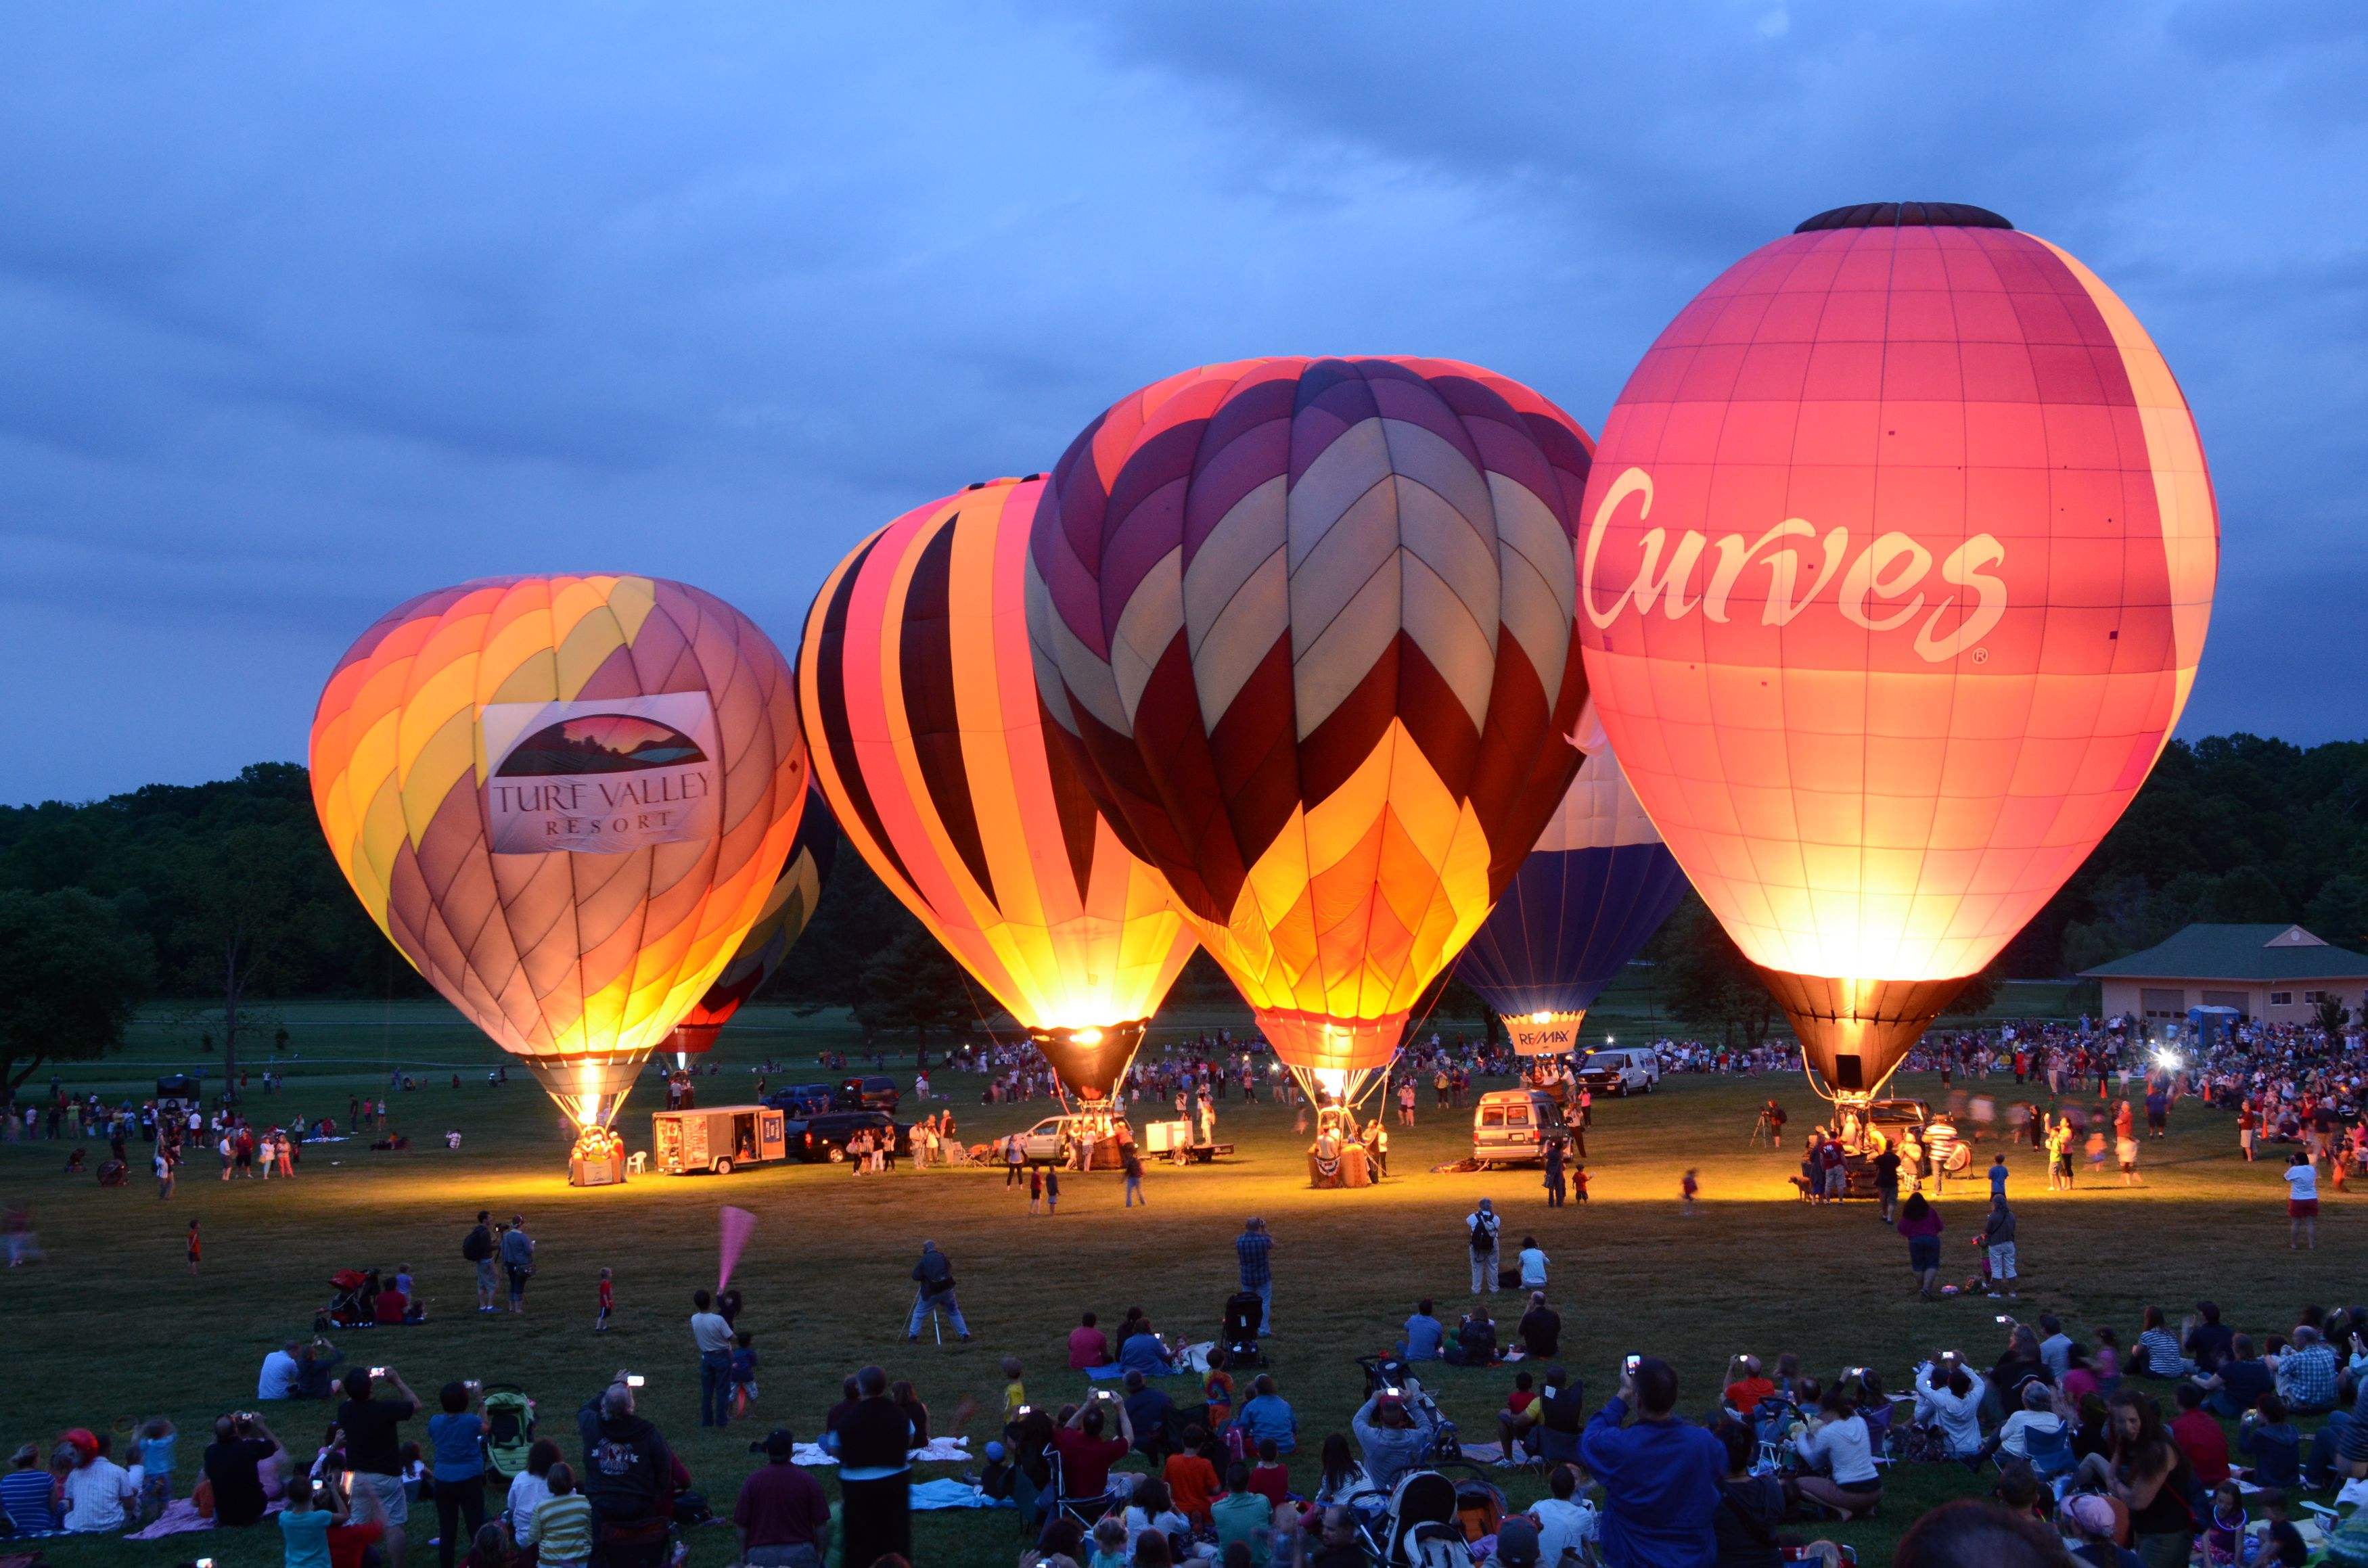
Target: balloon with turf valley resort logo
point(929, 742)
point(1307, 625)
point(782, 921)
point(1898, 555)
point(565, 800)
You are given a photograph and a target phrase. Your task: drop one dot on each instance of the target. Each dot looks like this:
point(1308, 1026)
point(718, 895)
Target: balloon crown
point(1904, 215)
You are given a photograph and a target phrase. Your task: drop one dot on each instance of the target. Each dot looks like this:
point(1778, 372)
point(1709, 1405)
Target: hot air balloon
point(915, 681)
point(565, 799)
point(1899, 554)
point(1590, 895)
point(779, 925)
point(1307, 624)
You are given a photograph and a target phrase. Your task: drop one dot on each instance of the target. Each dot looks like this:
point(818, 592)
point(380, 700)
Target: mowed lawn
point(110, 1327)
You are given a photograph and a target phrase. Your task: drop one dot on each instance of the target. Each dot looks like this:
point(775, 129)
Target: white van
point(1513, 1127)
point(1621, 1070)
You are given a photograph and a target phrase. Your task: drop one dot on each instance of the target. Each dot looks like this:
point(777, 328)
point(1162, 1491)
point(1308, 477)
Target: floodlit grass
point(109, 1327)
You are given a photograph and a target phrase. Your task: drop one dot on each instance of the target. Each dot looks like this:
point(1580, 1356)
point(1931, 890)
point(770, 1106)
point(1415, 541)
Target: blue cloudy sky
point(304, 309)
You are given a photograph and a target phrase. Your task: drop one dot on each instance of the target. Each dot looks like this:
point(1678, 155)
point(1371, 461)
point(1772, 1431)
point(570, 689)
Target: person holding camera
point(234, 1465)
point(627, 1479)
point(1661, 1476)
point(374, 1448)
point(934, 1275)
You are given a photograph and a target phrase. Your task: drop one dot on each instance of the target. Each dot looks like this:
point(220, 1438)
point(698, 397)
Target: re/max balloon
point(565, 799)
point(1899, 554)
point(1306, 624)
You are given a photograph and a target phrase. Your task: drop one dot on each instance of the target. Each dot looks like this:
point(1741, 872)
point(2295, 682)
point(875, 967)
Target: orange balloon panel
point(929, 743)
point(1897, 561)
point(565, 798)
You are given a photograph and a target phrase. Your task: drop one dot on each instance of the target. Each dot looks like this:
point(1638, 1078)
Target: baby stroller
point(1422, 1528)
point(1239, 1332)
point(509, 1428)
point(345, 1308)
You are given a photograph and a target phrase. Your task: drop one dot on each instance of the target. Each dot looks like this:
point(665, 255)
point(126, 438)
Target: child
point(1035, 1189)
point(994, 1479)
point(562, 1523)
point(2224, 1530)
point(744, 1372)
point(608, 1302)
point(1578, 1183)
point(1052, 1190)
point(1217, 1391)
point(2286, 1548)
point(1109, 1544)
point(2272, 1443)
point(2126, 1151)
point(1269, 1478)
point(1688, 1189)
point(402, 1279)
point(195, 1247)
point(155, 1467)
point(1514, 1421)
point(1015, 1392)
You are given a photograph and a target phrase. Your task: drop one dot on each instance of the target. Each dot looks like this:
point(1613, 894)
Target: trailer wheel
point(722, 1167)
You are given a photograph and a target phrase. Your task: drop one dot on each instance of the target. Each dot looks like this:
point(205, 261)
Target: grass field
point(110, 1327)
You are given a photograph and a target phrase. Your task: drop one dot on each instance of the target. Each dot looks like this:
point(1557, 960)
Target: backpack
point(1484, 1236)
point(477, 1245)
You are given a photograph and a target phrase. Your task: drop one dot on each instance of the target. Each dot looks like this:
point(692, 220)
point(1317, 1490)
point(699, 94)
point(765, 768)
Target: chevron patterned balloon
point(1307, 625)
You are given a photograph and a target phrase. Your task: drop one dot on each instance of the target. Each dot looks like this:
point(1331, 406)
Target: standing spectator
point(874, 1477)
point(1660, 1475)
point(1482, 1227)
point(2302, 1202)
point(1998, 1239)
point(1255, 1249)
point(628, 1479)
point(1920, 1223)
point(518, 1260)
point(782, 1513)
point(98, 1495)
point(456, 1437)
point(477, 1247)
point(303, 1529)
point(712, 1335)
point(1131, 1162)
point(374, 1451)
point(1556, 1185)
point(934, 1275)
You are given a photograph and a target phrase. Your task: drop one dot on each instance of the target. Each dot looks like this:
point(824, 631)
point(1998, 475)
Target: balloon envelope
point(929, 745)
point(779, 925)
point(1307, 623)
point(1590, 895)
point(565, 800)
point(1899, 554)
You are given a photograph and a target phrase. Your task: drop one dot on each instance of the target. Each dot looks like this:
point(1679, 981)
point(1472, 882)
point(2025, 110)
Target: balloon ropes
point(779, 925)
point(1306, 625)
point(1899, 552)
point(1590, 895)
point(930, 745)
point(565, 800)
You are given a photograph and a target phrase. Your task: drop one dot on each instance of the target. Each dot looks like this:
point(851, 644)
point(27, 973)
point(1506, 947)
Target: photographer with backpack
point(1483, 1224)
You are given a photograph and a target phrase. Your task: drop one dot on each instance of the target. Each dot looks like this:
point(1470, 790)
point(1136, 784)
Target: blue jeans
point(1266, 1305)
point(714, 1387)
point(945, 1303)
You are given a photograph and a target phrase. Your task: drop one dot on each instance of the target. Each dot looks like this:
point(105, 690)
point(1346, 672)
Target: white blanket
point(941, 1450)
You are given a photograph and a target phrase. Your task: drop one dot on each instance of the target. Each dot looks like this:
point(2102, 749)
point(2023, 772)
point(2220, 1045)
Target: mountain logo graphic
point(599, 742)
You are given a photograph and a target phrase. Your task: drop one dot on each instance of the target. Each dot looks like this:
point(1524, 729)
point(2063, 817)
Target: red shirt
point(1521, 1400)
point(1271, 1482)
point(608, 1293)
point(347, 1542)
point(2204, 1444)
point(1086, 1461)
point(1744, 1393)
point(391, 1305)
point(1089, 1347)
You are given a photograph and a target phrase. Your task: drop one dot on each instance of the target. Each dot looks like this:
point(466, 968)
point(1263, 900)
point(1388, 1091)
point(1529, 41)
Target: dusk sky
point(306, 309)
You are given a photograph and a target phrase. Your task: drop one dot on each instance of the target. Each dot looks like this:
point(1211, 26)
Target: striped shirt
point(563, 1528)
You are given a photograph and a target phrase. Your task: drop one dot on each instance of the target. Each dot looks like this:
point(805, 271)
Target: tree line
point(222, 893)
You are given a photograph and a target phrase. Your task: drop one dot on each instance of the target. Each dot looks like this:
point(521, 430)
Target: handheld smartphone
point(2002, 1318)
point(377, 1371)
point(1634, 1361)
point(633, 1380)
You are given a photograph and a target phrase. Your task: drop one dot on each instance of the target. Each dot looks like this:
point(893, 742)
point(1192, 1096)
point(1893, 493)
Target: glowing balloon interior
point(929, 743)
point(565, 799)
point(1899, 557)
point(1306, 625)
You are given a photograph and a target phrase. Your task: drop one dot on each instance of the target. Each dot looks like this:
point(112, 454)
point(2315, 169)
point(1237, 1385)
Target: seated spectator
point(363, 1527)
point(1343, 1480)
point(2306, 1374)
point(528, 1489)
point(1541, 1331)
point(2038, 1434)
point(1242, 1517)
point(1475, 1340)
point(1565, 1525)
point(1949, 1395)
point(490, 1548)
point(1192, 1482)
point(26, 1491)
point(1152, 1512)
point(281, 1372)
point(782, 1513)
point(1394, 1436)
point(564, 1524)
point(1060, 1545)
point(1086, 1454)
point(1266, 1417)
point(2239, 1380)
point(1518, 1418)
point(1271, 1479)
point(1750, 1506)
point(1747, 1385)
point(2054, 1344)
point(1661, 1476)
point(1426, 1336)
point(391, 1308)
point(1143, 1351)
point(2200, 1438)
point(304, 1528)
point(2207, 1343)
point(1149, 1411)
point(1088, 1347)
point(97, 1495)
point(2021, 1364)
point(908, 1404)
point(1532, 1262)
point(1562, 1415)
point(2094, 1526)
point(1836, 1455)
point(2157, 1353)
point(236, 1465)
point(2268, 1439)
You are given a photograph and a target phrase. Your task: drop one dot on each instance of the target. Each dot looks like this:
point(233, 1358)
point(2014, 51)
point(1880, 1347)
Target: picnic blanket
point(941, 1450)
point(1190, 1361)
point(180, 1517)
point(946, 1493)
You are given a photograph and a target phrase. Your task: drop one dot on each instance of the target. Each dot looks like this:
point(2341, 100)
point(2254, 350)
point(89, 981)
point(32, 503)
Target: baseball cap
point(1517, 1543)
point(779, 1442)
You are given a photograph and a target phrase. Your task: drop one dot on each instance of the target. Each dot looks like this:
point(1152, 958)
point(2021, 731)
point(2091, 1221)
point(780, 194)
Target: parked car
point(1621, 1070)
point(1513, 1126)
point(867, 1094)
point(1053, 1141)
point(803, 1099)
point(823, 1139)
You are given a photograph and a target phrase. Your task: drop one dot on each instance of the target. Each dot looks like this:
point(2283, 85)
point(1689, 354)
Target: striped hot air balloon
point(782, 921)
point(1307, 623)
point(930, 745)
point(1590, 895)
point(565, 799)
point(1900, 550)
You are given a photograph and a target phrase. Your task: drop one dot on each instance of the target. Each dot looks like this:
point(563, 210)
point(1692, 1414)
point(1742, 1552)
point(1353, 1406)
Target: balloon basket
point(597, 1159)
